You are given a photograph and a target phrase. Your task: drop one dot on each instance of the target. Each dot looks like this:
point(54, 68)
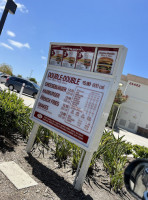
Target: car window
point(29, 84)
point(20, 80)
point(12, 78)
point(36, 86)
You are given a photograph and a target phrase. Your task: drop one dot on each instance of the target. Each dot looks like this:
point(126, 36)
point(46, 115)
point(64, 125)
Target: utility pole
point(11, 8)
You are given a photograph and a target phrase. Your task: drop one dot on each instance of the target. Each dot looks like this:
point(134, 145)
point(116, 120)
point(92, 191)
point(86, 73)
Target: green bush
point(63, 149)
point(43, 136)
point(140, 151)
point(76, 155)
point(14, 115)
point(112, 114)
point(112, 151)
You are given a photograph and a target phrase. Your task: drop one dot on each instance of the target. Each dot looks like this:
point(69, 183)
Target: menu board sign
point(78, 90)
point(70, 104)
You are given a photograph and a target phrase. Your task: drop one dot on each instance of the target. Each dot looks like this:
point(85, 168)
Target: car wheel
point(11, 87)
point(34, 95)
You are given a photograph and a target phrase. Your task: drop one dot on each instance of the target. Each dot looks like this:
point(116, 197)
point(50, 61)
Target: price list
point(83, 109)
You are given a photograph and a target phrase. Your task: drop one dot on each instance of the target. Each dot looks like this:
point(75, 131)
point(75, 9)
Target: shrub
point(112, 114)
point(140, 151)
point(43, 136)
point(112, 151)
point(63, 149)
point(14, 115)
point(76, 155)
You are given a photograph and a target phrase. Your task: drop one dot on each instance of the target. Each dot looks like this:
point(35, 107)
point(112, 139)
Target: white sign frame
point(104, 110)
point(113, 80)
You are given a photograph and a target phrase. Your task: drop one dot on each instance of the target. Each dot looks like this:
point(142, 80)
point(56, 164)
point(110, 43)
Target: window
point(122, 122)
point(29, 84)
point(131, 125)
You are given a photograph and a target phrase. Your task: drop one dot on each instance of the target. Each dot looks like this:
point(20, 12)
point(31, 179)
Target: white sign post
point(76, 95)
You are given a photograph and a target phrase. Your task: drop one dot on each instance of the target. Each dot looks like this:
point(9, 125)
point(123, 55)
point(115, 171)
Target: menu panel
point(70, 104)
point(105, 61)
point(72, 57)
point(84, 60)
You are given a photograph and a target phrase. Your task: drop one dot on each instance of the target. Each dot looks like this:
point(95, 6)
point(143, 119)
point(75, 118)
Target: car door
point(18, 84)
point(29, 88)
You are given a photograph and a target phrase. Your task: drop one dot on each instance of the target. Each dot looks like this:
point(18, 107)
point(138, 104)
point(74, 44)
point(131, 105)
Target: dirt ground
point(54, 183)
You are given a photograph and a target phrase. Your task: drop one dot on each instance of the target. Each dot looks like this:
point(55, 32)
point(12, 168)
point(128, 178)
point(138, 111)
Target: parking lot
point(28, 100)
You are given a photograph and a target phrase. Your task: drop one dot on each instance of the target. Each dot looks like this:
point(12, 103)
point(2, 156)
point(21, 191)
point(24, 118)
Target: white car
point(3, 77)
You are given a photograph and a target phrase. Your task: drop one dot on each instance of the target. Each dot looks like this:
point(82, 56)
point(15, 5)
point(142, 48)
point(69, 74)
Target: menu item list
point(70, 103)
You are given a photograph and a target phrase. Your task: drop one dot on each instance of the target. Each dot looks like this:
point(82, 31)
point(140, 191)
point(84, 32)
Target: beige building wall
point(134, 112)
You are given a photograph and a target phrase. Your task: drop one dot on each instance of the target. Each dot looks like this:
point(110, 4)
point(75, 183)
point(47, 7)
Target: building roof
point(134, 78)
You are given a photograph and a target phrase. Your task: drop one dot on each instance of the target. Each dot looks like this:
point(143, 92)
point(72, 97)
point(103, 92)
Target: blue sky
point(24, 42)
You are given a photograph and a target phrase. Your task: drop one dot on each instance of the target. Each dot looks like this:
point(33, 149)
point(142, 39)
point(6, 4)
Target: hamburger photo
point(59, 58)
point(104, 65)
point(71, 60)
point(87, 62)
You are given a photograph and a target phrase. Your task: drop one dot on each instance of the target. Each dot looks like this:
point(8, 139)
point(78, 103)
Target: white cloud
point(21, 7)
point(6, 46)
point(19, 44)
point(10, 33)
point(2, 5)
point(43, 57)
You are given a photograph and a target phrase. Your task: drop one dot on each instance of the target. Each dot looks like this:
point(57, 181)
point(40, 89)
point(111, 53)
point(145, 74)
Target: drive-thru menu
point(70, 103)
point(78, 90)
point(76, 95)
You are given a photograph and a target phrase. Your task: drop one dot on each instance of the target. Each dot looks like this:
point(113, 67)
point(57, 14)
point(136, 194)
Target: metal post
point(22, 88)
point(78, 168)
point(115, 117)
point(83, 170)
point(32, 137)
point(3, 18)
point(9, 7)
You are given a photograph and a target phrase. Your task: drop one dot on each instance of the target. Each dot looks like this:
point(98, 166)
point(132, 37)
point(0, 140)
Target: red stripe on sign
point(74, 133)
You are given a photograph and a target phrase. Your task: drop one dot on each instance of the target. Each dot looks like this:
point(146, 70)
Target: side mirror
point(136, 178)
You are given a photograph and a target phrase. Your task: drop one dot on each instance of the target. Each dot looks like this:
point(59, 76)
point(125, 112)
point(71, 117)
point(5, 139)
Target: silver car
point(3, 77)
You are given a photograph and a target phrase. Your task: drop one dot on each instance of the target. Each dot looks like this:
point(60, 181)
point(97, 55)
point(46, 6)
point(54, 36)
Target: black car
point(15, 83)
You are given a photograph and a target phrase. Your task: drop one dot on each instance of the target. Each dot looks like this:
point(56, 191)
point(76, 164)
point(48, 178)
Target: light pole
point(11, 8)
point(120, 85)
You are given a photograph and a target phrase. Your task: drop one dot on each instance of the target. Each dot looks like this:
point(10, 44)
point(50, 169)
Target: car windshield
point(35, 85)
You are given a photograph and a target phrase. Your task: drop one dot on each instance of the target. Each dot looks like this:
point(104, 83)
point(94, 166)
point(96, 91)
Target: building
point(133, 115)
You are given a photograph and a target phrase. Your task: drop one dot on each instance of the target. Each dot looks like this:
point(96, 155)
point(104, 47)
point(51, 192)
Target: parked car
point(3, 77)
point(15, 83)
